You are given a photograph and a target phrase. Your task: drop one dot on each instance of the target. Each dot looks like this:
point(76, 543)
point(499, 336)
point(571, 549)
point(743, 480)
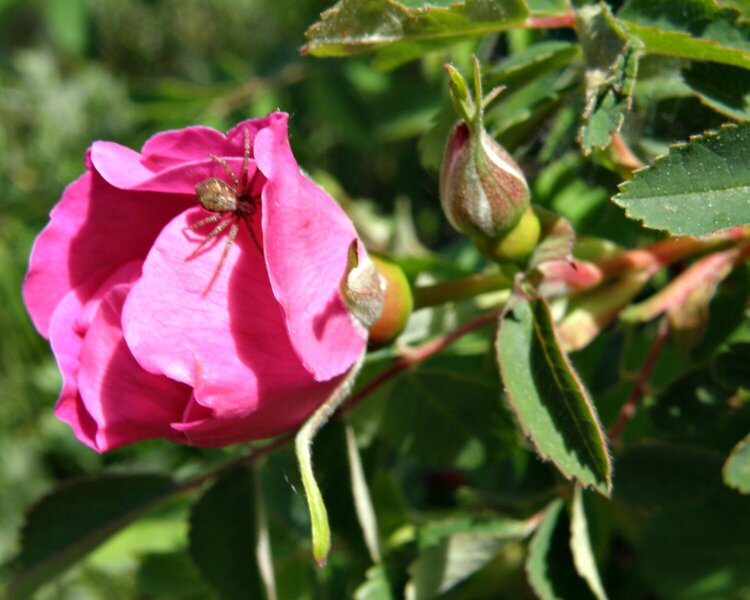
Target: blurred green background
point(74, 71)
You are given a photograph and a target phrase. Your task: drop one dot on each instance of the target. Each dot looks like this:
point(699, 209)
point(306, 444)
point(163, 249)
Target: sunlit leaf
point(404, 31)
point(78, 516)
point(611, 60)
point(549, 566)
point(699, 188)
point(737, 467)
point(693, 29)
point(376, 586)
point(580, 546)
point(552, 406)
point(452, 551)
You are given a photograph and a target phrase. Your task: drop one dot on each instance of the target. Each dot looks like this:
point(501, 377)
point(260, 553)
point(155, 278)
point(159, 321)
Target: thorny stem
point(641, 382)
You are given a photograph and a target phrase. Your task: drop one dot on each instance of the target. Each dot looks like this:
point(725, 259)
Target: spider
point(232, 203)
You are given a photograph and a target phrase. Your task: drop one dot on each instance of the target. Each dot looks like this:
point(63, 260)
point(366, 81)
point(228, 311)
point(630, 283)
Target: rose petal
point(229, 341)
point(68, 326)
point(176, 161)
point(93, 230)
point(127, 403)
point(307, 237)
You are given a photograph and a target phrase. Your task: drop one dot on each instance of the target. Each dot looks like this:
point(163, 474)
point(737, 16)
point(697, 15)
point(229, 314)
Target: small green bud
point(515, 245)
point(397, 304)
point(483, 191)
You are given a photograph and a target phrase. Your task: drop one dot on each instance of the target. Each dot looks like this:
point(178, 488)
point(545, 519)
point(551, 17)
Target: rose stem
point(641, 381)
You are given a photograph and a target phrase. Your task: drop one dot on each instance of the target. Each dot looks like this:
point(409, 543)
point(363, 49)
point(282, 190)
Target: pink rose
point(157, 336)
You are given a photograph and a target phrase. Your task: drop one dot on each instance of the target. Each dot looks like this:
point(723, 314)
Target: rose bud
point(397, 305)
point(483, 191)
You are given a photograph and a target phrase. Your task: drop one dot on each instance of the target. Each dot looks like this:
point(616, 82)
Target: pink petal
point(68, 327)
point(127, 403)
point(175, 161)
point(229, 342)
point(93, 230)
point(307, 237)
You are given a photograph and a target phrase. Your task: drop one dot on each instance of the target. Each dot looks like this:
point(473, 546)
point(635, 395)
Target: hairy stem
point(321, 531)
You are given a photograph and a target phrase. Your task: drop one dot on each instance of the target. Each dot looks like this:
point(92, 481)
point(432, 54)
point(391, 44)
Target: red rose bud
point(483, 191)
point(397, 306)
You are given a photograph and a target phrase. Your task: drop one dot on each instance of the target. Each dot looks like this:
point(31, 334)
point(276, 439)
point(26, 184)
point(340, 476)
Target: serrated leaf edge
point(673, 149)
point(607, 491)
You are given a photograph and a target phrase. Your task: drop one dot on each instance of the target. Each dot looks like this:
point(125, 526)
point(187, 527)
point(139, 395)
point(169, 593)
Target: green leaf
point(730, 366)
point(525, 66)
point(611, 60)
point(78, 516)
point(518, 113)
point(654, 475)
point(170, 575)
point(699, 188)
point(403, 31)
point(362, 499)
point(690, 405)
point(445, 413)
point(580, 546)
point(693, 29)
point(551, 404)
point(499, 528)
point(223, 536)
point(541, 8)
point(452, 551)
point(699, 552)
point(724, 88)
point(376, 587)
point(549, 565)
point(736, 469)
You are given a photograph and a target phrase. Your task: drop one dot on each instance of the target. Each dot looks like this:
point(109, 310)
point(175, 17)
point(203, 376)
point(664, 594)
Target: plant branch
point(669, 251)
point(415, 356)
point(641, 382)
point(459, 289)
point(567, 19)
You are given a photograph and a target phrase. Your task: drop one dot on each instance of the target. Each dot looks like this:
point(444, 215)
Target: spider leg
point(230, 240)
point(216, 231)
point(252, 235)
point(227, 168)
point(245, 160)
point(206, 221)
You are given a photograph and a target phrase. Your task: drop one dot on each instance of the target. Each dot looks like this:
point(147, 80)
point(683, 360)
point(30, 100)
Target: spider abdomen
point(216, 195)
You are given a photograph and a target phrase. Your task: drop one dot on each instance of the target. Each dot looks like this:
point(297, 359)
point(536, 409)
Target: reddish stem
point(416, 355)
point(641, 381)
point(666, 252)
point(623, 155)
point(564, 20)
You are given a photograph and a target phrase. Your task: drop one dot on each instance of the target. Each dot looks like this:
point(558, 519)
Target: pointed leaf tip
point(549, 400)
